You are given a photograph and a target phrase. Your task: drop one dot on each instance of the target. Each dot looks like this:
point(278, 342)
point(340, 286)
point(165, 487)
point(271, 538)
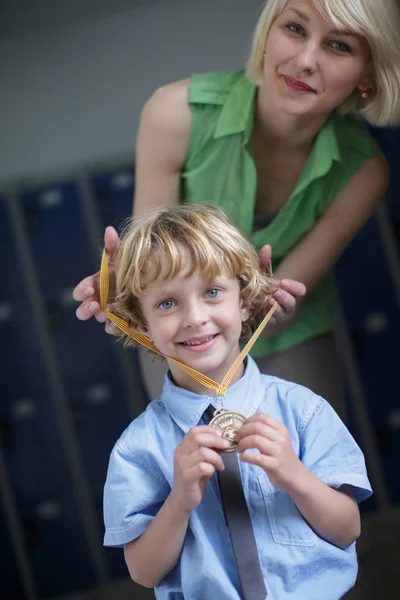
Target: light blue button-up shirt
point(296, 562)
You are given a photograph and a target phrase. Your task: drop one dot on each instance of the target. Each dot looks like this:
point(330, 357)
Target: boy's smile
point(199, 344)
point(195, 320)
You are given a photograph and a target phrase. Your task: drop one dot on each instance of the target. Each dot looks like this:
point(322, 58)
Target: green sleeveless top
point(219, 169)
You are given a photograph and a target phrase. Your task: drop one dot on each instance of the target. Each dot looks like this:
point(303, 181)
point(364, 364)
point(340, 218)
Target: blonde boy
point(189, 281)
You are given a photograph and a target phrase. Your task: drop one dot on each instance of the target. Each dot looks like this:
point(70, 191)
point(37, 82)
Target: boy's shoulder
point(290, 403)
point(146, 428)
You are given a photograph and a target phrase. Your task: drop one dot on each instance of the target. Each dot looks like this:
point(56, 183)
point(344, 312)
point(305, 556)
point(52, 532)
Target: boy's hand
point(276, 457)
point(195, 461)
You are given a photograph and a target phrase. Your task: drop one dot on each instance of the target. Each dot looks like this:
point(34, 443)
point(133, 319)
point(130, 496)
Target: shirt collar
point(237, 115)
point(186, 408)
point(326, 150)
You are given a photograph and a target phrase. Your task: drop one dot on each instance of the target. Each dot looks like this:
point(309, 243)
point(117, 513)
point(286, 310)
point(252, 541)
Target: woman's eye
point(213, 293)
point(294, 28)
point(340, 47)
point(166, 305)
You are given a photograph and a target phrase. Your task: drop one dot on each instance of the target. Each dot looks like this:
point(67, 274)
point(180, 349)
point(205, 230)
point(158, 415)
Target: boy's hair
point(170, 235)
point(378, 21)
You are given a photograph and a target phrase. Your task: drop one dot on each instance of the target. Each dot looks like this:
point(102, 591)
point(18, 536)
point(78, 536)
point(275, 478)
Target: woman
point(276, 148)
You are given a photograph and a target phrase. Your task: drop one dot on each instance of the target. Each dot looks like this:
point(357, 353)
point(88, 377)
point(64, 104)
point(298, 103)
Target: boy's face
point(196, 321)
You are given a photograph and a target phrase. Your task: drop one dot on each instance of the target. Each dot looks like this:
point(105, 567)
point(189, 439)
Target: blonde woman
point(281, 148)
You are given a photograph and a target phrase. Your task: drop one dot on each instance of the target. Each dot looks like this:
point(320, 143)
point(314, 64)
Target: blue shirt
point(295, 561)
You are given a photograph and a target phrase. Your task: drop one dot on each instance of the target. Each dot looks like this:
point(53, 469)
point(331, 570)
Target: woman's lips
point(296, 85)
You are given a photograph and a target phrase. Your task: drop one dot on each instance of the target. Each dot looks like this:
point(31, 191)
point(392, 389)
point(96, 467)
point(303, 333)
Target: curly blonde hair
point(170, 235)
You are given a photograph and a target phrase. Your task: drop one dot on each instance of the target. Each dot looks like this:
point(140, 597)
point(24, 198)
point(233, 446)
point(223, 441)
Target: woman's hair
point(169, 236)
point(378, 21)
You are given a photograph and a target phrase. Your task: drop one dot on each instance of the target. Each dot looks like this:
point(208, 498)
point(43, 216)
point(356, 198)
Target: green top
point(219, 169)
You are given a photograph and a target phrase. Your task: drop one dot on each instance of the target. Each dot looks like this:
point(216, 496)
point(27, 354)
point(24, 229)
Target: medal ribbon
point(221, 388)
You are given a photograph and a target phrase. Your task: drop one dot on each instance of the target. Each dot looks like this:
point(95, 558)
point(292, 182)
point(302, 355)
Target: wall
point(74, 93)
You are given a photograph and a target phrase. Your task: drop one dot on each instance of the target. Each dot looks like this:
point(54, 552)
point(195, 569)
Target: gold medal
point(228, 423)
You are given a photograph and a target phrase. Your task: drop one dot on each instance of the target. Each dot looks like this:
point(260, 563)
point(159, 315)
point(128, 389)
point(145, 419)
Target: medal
point(228, 423)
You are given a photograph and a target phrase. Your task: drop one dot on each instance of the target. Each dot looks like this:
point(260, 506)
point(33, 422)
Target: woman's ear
point(367, 81)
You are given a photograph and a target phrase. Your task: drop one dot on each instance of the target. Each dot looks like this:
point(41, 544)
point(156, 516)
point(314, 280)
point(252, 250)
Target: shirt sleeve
point(330, 452)
point(133, 494)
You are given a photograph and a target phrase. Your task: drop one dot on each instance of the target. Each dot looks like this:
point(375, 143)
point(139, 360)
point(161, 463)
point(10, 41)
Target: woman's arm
point(319, 250)
point(161, 147)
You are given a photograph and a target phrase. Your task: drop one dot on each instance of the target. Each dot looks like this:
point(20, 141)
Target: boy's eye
point(213, 293)
point(166, 304)
point(294, 28)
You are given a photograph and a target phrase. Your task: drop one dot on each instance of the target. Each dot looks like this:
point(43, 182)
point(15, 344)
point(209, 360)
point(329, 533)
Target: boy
point(189, 281)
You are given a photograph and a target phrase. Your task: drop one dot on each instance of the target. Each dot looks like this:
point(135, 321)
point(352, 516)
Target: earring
point(364, 94)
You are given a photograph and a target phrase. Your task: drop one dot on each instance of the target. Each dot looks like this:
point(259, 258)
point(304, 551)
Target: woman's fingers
point(85, 288)
point(293, 287)
point(87, 309)
point(111, 240)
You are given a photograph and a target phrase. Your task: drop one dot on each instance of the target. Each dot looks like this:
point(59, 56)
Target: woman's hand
point(87, 292)
point(288, 295)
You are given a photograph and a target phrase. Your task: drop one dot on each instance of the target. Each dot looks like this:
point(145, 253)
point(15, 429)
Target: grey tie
point(238, 520)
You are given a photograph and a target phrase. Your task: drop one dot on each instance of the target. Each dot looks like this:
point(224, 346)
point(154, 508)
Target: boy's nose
point(195, 315)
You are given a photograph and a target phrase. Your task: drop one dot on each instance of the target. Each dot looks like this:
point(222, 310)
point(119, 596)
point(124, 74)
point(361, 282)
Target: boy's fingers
point(207, 438)
point(258, 428)
point(203, 455)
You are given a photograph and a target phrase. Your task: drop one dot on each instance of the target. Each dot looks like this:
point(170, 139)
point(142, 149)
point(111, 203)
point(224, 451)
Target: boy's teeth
point(198, 342)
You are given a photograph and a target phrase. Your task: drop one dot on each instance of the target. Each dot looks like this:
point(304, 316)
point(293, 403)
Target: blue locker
point(113, 190)
point(388, 139)
point(86, 357)
point(11, 587)
point(34, 455)
point(369, 304)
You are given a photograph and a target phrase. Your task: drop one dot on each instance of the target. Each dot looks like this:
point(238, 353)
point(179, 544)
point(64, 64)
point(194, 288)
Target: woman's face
point(310, 68)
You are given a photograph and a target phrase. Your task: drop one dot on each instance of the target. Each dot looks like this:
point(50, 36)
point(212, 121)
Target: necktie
point(239, 525)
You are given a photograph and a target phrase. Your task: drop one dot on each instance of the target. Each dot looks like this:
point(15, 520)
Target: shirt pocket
point(286, 522)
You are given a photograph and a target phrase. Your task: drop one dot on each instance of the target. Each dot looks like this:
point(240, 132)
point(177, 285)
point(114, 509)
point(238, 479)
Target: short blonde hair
point(378, 21)
point(168, 236)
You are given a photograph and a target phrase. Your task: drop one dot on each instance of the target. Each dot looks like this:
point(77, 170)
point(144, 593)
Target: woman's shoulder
point(169, 100)
point(168, 108)
point(213, 87)
point(175, 95)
